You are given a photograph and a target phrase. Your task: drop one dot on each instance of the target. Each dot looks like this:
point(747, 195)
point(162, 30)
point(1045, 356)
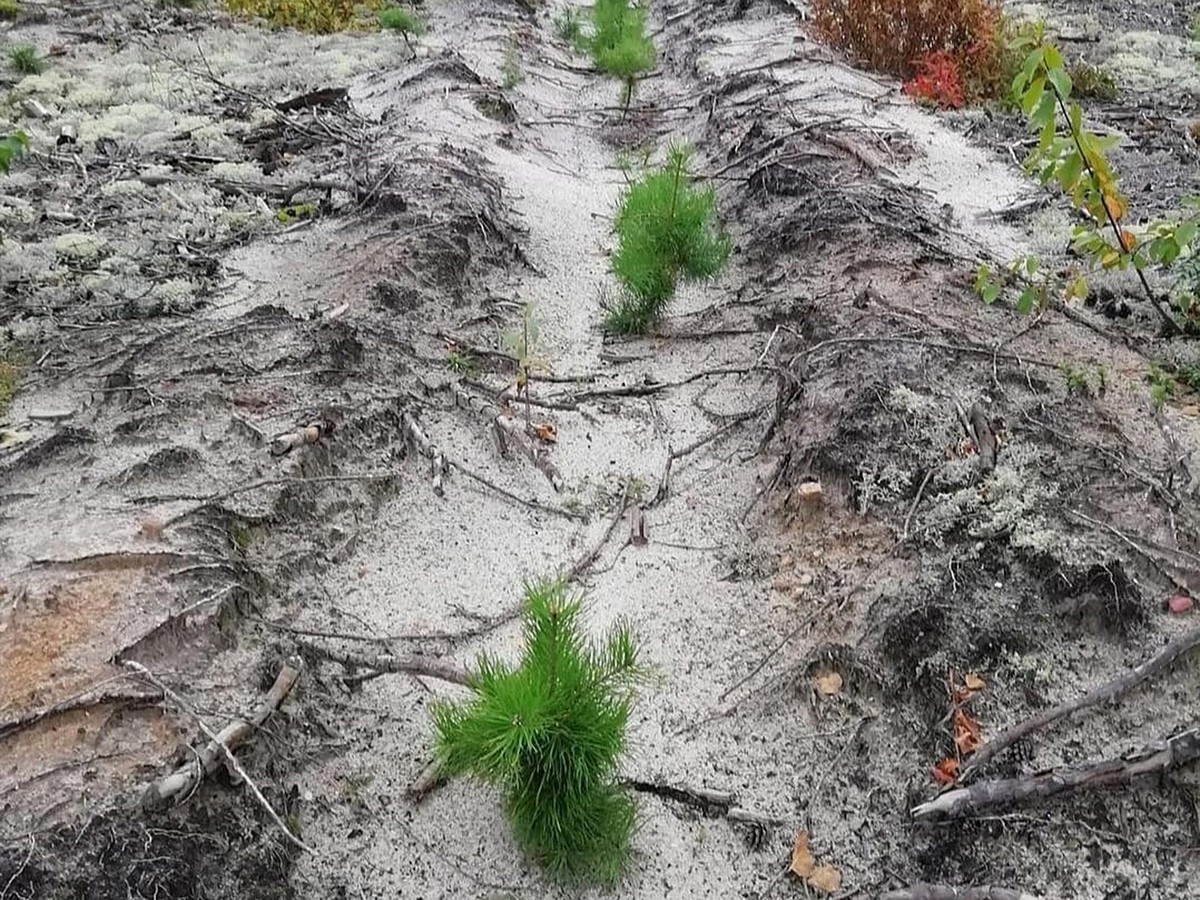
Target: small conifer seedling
point(405, 21)
point(665, 230)
point(550, 733)
point(619, 43)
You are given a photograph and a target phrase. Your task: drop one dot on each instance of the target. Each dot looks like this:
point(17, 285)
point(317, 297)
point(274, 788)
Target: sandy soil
point(174, 322)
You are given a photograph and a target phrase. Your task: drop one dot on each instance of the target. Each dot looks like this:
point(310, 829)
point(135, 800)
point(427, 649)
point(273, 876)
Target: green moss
point(295, 212)
point(10, 373)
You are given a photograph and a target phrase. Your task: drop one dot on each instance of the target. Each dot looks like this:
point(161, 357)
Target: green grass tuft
point(9, 9)
point(26, 60)
point(619, 44)
point(666, 230)
point(568, 25)
point(550, 733)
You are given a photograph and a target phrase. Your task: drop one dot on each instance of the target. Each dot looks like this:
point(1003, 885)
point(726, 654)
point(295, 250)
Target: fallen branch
point(187, 777)
point(586, 561)
point(1157, 759)
point(1108, 692)
point(943, 892)
point(412, 664)
point(508, 431)
point(710, 802)
point(419, 441)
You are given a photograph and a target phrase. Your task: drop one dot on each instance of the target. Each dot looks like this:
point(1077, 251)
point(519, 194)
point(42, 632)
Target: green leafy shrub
point(665, 230)
point(12, 147)
point(619, 44)
point(550, 733)
point(25, 59)
point(1091, 80)
point(9, 9)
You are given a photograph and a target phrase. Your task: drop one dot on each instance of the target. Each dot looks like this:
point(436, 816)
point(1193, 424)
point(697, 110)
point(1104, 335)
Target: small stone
point(1180, 604)
point(810, 492)
point(805, 579)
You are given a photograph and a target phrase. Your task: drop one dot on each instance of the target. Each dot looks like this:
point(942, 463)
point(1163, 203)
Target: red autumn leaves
point(965, 731)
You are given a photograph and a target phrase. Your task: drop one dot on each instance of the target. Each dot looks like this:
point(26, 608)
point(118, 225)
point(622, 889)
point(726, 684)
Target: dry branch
point(1157, 759)
point(508, 431)
point(419, 441)
point(220, 746)
point(944, 892)
point(1108, 692)
point(588, 559)
point(713, 803)
point(412, 664)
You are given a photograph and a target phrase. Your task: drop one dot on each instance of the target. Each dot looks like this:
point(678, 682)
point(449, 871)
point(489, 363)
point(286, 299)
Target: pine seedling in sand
point(405, 21)
point(523, 344)
point(550, 734)
point(665, 230)
point(619, 44)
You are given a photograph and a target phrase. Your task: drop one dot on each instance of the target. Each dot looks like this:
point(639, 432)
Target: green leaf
point(1061, 81)
point(1026, 301)
point(1185, 234)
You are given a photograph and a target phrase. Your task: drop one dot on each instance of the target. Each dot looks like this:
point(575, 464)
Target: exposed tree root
point(1156, 760)
point(220, 746)
point(1108, 692)
point(944, 892)
point(413, 664)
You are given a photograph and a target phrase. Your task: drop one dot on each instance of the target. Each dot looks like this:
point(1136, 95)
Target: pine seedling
point(26, 60)
point(510, 68)
point(407, 22)
point(619, 44)
point(665, 230)
point(568, 25)
point(550, 734)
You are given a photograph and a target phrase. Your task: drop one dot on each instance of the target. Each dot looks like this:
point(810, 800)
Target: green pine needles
point(550, 733)
point(619, 43)
point(407, 22)
point(665, 231)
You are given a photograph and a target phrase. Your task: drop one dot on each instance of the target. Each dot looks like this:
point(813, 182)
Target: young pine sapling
point(405, 21)
point(666, 230)
point(619, 44)
point(550, 733)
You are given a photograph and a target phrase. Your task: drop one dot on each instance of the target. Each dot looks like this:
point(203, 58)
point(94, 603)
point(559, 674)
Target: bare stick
point(944, 892)
point(88, 699)
point(1157, 759)
point(238, 731)
point(430, 777)
point(420, 442)
point(1108, 692)
point(413, 664)
point(586, 561)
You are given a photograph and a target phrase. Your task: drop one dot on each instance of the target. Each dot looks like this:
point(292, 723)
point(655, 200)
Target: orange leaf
point(974, 683)
point(1114, 205)
point(967, 735)
point(946, 771)
point(1128, 239)
point(546, 432)
point(825, 878)
point(803, 863)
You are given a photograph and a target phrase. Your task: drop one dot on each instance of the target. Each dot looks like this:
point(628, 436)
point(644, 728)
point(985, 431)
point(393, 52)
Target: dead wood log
point(508, 431)
point(412, 664)
point(1156, 759)
point(944, 892)
point(420, 442)
point(185, 779)
point(1108, 692)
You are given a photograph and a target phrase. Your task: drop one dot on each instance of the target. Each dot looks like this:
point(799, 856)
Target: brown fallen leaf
point(825, 878)
point(828, 683)
point(546, 432)
point(974, 683)
point(946, 772)
point(803, 863)
point(968, 736)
